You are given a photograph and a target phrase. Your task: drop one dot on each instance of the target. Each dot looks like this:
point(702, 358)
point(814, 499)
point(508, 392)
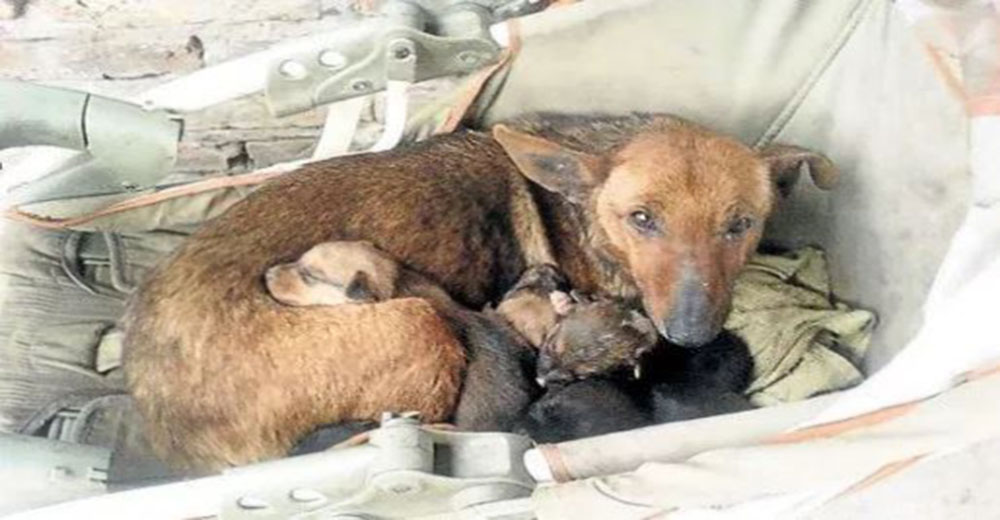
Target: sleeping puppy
point(499, 377)
point(336, 273)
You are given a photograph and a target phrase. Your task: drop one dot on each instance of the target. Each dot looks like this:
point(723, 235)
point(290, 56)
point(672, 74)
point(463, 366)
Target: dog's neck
point(581, 250)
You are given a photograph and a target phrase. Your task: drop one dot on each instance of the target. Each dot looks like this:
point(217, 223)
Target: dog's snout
point(691, 322)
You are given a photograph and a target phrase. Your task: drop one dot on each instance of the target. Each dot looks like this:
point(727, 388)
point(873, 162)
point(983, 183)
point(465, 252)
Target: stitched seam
point(117, 263)
point(800, 95)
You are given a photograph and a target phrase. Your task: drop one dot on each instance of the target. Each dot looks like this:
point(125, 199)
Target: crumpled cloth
point(803, 341)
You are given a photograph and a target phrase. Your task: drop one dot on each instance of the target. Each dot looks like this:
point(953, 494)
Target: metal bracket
point(406, 470)
point(362, 59)
point(129, 148)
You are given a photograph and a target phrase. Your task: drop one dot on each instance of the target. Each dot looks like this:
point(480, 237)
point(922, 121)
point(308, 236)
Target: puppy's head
point(593, 337)
point(527, 306)
point(334, 273)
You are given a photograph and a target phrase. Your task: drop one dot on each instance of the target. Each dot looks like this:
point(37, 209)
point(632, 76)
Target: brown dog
point(644, 207)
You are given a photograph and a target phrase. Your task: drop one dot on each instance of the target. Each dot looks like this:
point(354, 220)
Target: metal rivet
point(469, 58)
point(306, 495)
point(252, 503)
point(401, 53)
point(292, 69)
point(333, 59)
point(60, 473)
point(402, 489)
point(361, 85)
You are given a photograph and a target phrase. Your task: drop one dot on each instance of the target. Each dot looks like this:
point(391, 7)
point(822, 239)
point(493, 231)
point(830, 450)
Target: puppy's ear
point(786, 163)
point(580, 297)
point(643, 325)
point(554, 167)
point(361, 289)
point(562, 303)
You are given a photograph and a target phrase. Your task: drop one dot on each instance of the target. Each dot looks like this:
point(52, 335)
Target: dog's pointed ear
point(552, 166)
point(361, 289)
point(786, 163)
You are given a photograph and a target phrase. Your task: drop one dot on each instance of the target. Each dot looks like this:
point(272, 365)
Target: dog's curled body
point(225, 375)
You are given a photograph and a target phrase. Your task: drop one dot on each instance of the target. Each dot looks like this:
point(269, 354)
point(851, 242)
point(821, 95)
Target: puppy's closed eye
point(309, 277)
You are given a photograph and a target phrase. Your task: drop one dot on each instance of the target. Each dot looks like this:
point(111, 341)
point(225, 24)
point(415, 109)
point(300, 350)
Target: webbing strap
point(186, 190)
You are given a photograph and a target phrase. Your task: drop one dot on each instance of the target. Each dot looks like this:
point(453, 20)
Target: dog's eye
point(738, 226)
point(643, 221)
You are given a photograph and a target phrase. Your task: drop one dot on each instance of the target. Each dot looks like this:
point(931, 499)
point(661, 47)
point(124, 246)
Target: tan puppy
point(342, 272)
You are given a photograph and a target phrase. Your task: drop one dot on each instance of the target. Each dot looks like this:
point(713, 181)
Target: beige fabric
point(803, 343)
point(727, 477)
point(678, 441)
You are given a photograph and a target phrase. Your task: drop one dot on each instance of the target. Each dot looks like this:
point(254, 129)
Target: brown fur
point(226, 375)
point(228, 410)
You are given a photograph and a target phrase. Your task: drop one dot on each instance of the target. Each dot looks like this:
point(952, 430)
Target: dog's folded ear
point(361, 289)
point(550, 165)
point(786, 163)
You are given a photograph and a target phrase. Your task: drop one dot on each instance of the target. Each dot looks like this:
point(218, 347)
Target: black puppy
point(583, 408)
point(678, 384)
point(692, 383)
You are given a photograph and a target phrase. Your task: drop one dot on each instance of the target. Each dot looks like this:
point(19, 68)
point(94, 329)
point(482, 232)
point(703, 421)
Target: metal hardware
point(405, 470)
point(128, 146)
point(409, 41)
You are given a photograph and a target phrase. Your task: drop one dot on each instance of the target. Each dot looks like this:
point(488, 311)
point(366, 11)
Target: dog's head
point(677, 208)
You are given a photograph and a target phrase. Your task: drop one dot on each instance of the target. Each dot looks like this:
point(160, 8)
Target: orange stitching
point(556, 462)
point(143, 200)
point(844, 425)
point(881, 474)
